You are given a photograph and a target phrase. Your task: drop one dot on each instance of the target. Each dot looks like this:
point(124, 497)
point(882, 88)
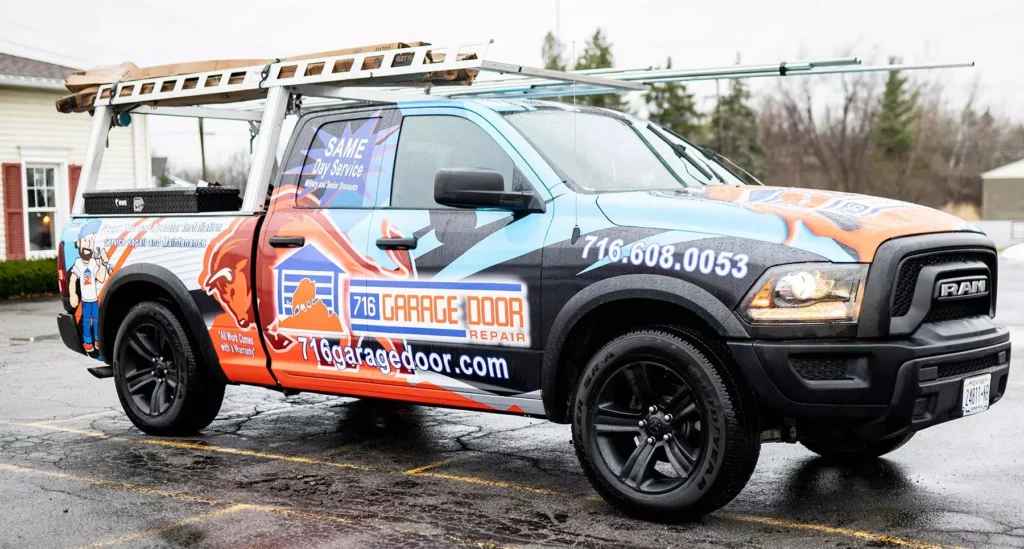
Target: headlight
point(811, 292)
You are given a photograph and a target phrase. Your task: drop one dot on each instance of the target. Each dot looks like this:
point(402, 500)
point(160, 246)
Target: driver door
point(466, 319)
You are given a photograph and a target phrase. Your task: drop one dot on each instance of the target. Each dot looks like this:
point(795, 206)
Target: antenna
point(575, 155)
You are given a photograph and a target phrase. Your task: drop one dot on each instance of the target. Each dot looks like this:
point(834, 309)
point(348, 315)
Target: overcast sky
point(695, 33)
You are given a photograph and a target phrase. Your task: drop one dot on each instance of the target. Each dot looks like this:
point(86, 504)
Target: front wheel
point(162, 388)
point(663, 432)
point(850, 452)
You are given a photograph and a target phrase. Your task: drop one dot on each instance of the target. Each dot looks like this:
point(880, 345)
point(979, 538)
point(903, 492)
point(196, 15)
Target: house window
point(41, 207)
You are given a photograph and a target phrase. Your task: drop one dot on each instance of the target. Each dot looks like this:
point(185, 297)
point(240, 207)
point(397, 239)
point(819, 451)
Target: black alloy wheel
point(663, 426)
point(163, 387)
point(153, 375)
point(649, 426)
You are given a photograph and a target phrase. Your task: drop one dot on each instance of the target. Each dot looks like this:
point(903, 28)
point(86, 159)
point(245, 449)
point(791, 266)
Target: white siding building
point(42, 151)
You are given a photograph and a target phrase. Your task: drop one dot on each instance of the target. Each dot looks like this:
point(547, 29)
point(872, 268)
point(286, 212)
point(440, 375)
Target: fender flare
point(635, 286)
point(170, 283)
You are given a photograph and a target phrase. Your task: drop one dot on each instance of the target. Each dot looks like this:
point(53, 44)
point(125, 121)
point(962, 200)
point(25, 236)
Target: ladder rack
point(539, 88)
point(386, 76)
point(413, 66)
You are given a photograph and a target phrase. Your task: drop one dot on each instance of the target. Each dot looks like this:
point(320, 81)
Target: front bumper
point(871, 389)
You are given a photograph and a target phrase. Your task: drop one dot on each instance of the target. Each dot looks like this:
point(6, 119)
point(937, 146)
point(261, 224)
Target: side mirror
point(473, 188)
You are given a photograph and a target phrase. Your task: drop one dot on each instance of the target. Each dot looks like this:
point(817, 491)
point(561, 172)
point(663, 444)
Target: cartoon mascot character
point(87, 274)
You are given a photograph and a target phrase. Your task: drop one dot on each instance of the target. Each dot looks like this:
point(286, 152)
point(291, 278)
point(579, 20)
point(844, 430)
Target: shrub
point(33, 276)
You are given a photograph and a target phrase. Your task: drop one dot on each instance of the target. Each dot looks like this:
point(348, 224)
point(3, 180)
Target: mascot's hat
point(89, 228)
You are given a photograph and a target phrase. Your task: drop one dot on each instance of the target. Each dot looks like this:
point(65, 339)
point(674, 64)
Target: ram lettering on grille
point(963, 288)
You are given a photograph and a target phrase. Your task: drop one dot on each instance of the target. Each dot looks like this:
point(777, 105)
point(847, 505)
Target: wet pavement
point(317, 471)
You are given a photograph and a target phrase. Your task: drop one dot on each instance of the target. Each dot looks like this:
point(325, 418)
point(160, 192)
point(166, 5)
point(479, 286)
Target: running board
point(102, 372)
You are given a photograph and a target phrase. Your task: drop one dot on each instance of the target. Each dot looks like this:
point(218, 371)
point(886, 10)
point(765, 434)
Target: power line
point(52, 32)
point(50, 52)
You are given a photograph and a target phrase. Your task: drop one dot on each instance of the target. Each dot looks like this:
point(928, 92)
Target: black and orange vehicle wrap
point(466, 317)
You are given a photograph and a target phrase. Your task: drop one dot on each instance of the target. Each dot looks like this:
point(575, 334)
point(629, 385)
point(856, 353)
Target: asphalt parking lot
point(316, 471)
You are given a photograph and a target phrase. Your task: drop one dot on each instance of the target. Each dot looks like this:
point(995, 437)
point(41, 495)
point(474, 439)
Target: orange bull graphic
point(227, 277)
point(307, 326)
point(226, 273)
point(860, 223)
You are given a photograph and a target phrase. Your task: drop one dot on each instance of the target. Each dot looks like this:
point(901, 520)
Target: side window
point(429, 143)
point(337, 163)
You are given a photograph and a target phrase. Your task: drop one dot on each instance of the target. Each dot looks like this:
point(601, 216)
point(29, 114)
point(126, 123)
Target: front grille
point(954, 310)
point(821, 368)
point(906, 280)
point(964, 367)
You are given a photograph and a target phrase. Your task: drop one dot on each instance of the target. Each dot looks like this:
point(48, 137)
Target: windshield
point(614, 152)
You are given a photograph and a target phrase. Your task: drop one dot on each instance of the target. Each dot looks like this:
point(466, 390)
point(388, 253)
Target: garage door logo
point(315, 295)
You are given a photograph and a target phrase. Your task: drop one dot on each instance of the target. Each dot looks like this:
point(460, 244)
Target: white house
point(42, 151)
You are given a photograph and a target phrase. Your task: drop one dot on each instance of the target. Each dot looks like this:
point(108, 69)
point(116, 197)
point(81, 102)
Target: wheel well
point(610, 320)
point(125, 297)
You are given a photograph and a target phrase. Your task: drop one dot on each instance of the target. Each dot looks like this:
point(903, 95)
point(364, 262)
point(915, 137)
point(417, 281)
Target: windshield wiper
point(724, 162)
point(682, 152)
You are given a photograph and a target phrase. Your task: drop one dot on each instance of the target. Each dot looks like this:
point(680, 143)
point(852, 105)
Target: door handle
point(397, 243)
point(287, 241)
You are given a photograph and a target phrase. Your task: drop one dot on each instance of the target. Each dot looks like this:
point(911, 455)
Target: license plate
point(976, 394)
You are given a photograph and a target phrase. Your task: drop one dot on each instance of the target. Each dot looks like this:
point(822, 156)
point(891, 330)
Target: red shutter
point(74, 171)
point(14, 220)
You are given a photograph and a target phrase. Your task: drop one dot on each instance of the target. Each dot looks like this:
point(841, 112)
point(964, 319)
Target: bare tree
point(821, 137)
point(230, 171)
point(837, 136)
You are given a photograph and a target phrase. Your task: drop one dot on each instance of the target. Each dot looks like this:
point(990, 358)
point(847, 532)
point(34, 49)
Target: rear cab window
point(336, 162)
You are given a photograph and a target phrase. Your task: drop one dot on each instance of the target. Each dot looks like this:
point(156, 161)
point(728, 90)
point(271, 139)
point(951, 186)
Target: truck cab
point(542, 259)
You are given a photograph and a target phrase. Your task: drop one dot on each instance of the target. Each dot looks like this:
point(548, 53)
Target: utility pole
point(718, 129)
point(558, 19)
point(202, 149)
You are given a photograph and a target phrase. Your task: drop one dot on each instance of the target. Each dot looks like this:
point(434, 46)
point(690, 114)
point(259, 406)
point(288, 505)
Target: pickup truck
point(535, 258)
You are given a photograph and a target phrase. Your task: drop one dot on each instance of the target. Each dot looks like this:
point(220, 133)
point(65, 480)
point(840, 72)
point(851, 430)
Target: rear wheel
point(162, 388)
point(662, 432)
point(854, 452)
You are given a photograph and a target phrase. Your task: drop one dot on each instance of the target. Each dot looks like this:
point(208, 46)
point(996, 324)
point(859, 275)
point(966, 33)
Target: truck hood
point(841, 227)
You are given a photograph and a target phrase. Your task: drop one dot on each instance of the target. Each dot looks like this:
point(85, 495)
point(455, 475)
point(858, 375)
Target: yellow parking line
point(264, 455)
point(137, 488)
point(341, 465)
point(76, 418)
point(163, 529)
point(230, 506)
point(94, 434)
point(424, 471)
point(848, 532)
point(307, 461)
point(492, 483)
point(429, 466)
point(347, 447)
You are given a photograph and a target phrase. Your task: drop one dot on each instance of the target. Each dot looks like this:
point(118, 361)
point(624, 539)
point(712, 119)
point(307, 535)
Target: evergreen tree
point(597, 54)
point(552, 53)
point(898, 108)
point(672, 106)
point(734, 127)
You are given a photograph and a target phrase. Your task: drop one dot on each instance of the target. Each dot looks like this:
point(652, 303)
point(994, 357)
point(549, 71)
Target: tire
point(848, 452)
point(704, 427)
point(162, 388)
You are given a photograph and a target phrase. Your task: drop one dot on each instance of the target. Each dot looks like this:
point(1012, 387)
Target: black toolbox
point(163, 200)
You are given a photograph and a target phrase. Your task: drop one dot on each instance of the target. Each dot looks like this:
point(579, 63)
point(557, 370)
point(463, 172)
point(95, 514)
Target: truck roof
point(486, 103)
